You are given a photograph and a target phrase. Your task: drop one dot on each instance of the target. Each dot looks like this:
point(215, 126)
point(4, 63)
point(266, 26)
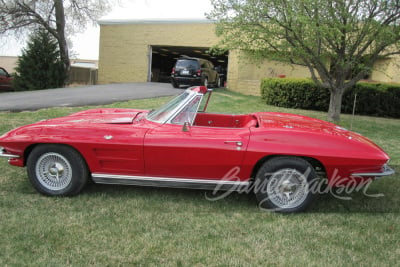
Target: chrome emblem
point(108, 137)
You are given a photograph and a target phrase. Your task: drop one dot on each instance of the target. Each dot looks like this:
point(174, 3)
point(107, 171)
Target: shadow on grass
point(172, 199)
point(184, 200)
point(357, 202)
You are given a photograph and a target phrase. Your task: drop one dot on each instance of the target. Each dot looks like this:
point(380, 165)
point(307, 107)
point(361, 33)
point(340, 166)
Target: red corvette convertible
point(280, 157)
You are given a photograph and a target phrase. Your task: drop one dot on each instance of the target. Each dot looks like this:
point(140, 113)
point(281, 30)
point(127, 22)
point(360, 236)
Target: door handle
point(238, 143)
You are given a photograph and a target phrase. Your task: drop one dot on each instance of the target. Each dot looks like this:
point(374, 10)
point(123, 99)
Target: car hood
point(99, 116)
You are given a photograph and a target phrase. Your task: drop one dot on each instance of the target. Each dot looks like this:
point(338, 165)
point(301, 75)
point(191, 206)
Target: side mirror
point(186, 127)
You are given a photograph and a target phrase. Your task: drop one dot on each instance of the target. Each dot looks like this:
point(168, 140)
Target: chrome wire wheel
point(54, 171)
point(287, 188)
point(57, 170)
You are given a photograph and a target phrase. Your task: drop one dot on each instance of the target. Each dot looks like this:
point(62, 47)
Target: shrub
point(376, 99)
point(40, 66)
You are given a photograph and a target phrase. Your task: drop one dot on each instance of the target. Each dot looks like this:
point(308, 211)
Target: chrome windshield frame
point(178, 108)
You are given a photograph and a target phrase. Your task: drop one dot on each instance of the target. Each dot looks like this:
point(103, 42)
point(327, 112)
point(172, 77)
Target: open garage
point(146, 50)
point(163, 59)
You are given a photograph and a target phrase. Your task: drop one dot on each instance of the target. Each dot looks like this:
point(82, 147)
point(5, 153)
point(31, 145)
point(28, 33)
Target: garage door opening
point(162, 59)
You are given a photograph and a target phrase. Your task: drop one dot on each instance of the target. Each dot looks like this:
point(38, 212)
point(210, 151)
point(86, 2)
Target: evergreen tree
point(40, 66)
point(60, 18)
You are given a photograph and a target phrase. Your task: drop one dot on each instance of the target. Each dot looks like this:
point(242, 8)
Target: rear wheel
point(57, 170)
point(283, 184)
point(174, 83)
point(205, 82)
point(219, 82)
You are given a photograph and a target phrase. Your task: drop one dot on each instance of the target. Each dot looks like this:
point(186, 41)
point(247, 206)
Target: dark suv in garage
point(194, 71)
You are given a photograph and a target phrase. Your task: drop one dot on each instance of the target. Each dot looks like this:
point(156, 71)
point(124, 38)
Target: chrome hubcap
point(53, 171)
point(287, 188)
point(56, 170)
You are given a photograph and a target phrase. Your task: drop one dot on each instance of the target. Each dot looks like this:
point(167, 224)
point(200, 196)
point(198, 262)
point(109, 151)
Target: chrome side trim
point(386, 171)
point(5, 155)
point(225, 185)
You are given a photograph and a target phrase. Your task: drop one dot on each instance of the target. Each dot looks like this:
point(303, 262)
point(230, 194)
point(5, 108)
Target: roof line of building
point(153, 21)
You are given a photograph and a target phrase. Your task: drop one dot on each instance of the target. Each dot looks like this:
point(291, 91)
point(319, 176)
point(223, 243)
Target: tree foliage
point(338, 40)
point(60, 18)
point(40, 66)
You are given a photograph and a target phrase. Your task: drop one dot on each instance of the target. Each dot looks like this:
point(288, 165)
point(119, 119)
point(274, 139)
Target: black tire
point(174, 83)
point(283, 184)
point(205, 82)
point(219, 82)
point(57, 170)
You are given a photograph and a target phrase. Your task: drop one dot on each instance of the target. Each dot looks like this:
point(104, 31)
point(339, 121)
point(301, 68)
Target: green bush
point(375, 99)
point(40, 66)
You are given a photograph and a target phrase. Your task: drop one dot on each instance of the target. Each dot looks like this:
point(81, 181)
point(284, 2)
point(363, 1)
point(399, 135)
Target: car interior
point(225, 120)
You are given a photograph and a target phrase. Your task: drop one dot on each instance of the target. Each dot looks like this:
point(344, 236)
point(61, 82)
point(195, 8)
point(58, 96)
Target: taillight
point(198, 73)
point(173, 71)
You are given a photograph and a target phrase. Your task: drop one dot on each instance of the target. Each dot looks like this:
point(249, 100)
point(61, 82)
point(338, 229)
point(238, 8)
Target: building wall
point(81, 75)
point(124, 48)
point(9, 63)
point(386, 70)
point(244, 74)
point(124, 54)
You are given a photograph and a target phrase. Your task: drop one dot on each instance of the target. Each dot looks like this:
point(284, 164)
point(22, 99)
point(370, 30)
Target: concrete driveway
point(81, 96)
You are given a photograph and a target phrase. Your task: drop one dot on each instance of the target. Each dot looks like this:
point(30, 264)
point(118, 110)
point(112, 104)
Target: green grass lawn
point(126, 225)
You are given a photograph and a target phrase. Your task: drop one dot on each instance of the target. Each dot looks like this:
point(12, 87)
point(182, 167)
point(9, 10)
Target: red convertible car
point(278, 156)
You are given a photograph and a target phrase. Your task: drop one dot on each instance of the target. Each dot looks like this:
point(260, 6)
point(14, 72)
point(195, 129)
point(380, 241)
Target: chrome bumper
point(386, 171)
point(5, 155)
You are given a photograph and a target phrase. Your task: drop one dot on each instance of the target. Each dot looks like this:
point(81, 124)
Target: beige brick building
point(9, 63)
point(146, 50)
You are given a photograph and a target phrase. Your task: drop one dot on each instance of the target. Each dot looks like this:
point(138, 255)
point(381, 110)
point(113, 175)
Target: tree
point(57, 17)
point(338, 40)
point(40, 66)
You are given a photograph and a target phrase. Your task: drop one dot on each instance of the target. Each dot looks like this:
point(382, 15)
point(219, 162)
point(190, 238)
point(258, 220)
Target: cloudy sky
point(86, 45)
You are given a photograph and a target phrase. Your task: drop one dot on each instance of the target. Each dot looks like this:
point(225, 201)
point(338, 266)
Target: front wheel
point(57, 170)
point(283, 184)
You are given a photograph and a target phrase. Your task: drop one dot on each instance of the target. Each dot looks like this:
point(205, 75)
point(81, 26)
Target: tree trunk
point(335, 105)
point(62, 42)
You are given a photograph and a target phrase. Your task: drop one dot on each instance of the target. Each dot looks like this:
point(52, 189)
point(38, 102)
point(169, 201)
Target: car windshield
point(164, 112)
point(188, 113)
point(3, 72)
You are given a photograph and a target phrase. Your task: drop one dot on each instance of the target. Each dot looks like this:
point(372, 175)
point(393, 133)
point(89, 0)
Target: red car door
point(201, 152)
